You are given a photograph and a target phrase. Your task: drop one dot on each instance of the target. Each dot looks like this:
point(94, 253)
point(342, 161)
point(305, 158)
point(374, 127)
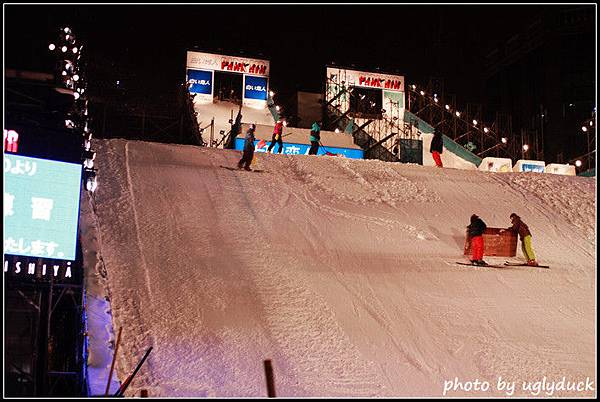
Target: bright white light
point(271, 94)
point(485, 130)
point(75, 77)
point(91, 184)
point(284, 123)
point(584, 129)
point(591, 123)
point(76, 95)
point(88, 145)
point(52, 46)
point(422, 92)
point(447, 107)
point(74, 50)
point(578, 163)
point(525, 147)
point(67, 30)
point(64, 73)
point(474, 122)
point(504, 140)
point(435, 100)
point(337, 130)
point(69, 123)
point(88, 163)
point(457, 113)
point(64, 49)
point(277, 108)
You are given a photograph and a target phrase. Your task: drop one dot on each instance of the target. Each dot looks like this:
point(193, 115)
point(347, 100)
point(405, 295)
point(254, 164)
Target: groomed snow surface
point(340, 271)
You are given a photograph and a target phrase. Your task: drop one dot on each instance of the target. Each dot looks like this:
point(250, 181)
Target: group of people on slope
point(248, 151)
point(477, 227)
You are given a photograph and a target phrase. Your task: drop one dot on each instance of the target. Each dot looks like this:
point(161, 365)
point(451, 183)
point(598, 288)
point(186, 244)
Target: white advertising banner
point(393, 83)
point(217, 62)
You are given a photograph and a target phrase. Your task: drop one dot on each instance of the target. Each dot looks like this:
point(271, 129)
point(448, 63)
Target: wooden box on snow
point(495, 243)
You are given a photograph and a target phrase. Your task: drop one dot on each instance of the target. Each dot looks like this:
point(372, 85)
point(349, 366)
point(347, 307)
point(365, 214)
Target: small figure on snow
point(437, 147)
point(315, 137)
point(518, 226)
point(248, 152)
point(277, 135)
point(475, 234)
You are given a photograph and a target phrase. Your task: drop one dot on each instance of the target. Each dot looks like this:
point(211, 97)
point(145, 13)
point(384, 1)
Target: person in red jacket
point(475, 234)
point(277, 134)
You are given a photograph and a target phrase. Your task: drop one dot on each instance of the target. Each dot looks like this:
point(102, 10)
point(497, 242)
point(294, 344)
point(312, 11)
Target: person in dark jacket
point(436, 148)
point(248, 152)
point(475, 233)
point(519, 227)
point(277, 134)
point(315, 137)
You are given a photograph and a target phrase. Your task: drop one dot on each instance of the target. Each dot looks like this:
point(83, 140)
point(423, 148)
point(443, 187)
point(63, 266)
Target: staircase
point(379, 136)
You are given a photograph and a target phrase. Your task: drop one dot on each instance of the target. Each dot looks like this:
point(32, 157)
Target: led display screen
point(41, 207)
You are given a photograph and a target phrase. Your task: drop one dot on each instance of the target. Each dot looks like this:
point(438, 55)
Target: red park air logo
point(379, 83)
point(243, 67)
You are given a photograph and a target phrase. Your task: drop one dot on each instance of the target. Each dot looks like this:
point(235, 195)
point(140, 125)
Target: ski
point(480, 266)
point(522, 264)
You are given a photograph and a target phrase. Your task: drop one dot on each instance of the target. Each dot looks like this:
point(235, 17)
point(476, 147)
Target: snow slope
point(338, 270)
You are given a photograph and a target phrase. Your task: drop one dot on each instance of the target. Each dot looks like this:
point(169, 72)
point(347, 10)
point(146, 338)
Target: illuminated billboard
point(41, 207)
point(200, 81)
point(255, 88)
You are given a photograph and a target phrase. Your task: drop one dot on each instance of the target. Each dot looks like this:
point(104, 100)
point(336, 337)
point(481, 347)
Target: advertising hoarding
point(255, 88)
point(302, 149)
point(41, 207)
point(217, 62)
point(200, 81)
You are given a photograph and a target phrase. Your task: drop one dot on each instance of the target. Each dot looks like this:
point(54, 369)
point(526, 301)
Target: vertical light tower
point(71, 78)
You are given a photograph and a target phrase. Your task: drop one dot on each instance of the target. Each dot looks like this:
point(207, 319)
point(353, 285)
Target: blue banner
point(302, 149)
point(41, 207)
point(529, 167)
point(201, 81)
point(256, 88)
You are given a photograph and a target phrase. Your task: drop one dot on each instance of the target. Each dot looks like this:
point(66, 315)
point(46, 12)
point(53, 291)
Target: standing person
point(277, 134)
point(437, 147)
point(475, 234)
point(248, 152)
point(518, 226)
point(315, 137)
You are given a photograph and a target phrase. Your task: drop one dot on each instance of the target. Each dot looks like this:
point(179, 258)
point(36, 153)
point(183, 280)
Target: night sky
point(144, 45)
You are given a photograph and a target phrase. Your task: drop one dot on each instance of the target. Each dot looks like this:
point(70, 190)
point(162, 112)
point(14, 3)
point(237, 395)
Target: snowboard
point(522, 264)
point(242, 170)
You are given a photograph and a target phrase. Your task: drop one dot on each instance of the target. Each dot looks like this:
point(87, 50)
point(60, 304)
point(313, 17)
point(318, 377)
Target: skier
point(315, 137)
point(475, 234)
point(518, 226)
point(277, 134)
point(248, 152)
point(436, 148)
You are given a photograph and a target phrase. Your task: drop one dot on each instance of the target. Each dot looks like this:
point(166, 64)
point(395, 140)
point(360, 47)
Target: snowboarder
point(475, 234)
point(518, 226)
point(315, 137)
point(436, 148)
point(277, 135)
point(248, 152)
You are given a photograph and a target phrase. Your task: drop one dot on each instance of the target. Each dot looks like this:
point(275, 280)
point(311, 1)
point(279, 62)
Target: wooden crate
point(495, 244)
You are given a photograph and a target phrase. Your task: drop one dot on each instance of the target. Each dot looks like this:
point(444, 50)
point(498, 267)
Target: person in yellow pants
point(518, 226)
